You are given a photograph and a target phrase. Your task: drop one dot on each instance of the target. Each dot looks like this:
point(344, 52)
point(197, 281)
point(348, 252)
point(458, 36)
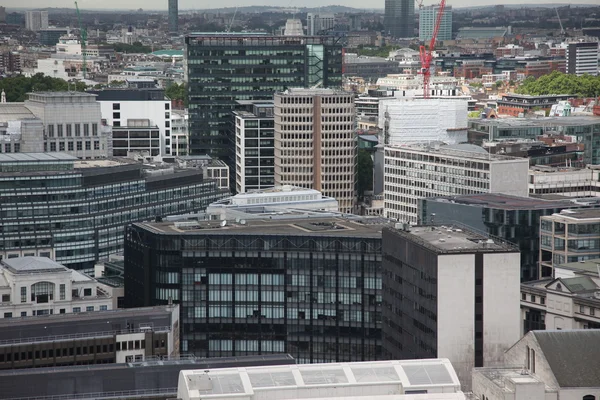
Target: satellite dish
point(223, 223)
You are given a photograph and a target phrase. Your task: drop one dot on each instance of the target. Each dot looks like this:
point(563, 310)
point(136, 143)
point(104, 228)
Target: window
point(103, 308)
point(533, 361)
point(86, 129)
point(76, 309)
point(50, 130)
point(61, 146)
point(23, 313)
point(589, 397)
point(592, 311)
point(523, 296)
point(59, 130)
point(62, 311)
point(89, 308)
point(23, 294)
point(77, 129)
point(94, 129)
point(582, 309)
point(167, 106)
point(42, 292)
point(533, 298)
point(116, 106)
point(88, 145)
point(116, 115)
point(53, 146)
point(69, 130)
point(542, 300)
point(70, 146)
point(62, 290)
point(96, 145)
point(79, 146)
point(87, 292)
point(6, 298)
point(7, 315)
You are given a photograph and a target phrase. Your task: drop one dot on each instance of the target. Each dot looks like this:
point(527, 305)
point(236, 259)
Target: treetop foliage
point(17, 87)
point(560, 83)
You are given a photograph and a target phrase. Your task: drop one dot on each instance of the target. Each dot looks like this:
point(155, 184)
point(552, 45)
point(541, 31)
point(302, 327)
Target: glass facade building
point(399, 19)
point(75, 211)
point(427, 20)
point(307, 287)
point(222, 68)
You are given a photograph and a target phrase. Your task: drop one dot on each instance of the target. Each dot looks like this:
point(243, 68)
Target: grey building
point(222, 68)
point(306, 286)
point(51, 36)
point(511, 218)
point(173, 17)
point(399, 19)
point(370, 67)
point(74, 212)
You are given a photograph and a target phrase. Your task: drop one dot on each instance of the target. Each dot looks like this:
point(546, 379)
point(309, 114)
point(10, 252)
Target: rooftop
point(502, 201)
point(27, 265)
point(539, 122)
point(587, 266)
point(298, 91)
point(374, 380)
point(453, 152)
point(14, 111)
point(36, 157)
point(578, 214)
point(448, 239)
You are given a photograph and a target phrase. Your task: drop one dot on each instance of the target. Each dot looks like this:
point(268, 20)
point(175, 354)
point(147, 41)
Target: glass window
point(42, 292)
point(23, 294)
point(77, 129)
point(76, 309)
point(86, 129)
point(89, 308)
point(62, 292)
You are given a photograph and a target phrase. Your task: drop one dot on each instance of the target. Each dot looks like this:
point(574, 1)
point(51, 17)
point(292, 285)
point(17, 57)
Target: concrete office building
point(36, 20)
point(319, 24)
point(381, 380)
point(565, 181)
point(552, 365)
point(51, 36)
point(582, 58)
point(106, 337)
point(513, 219)
point(39, 286)
point(415, 172)
point(140, 120)
point(427, 20)
point(173, 17)
point(315, 144)
point(306, 286)
point(74, 211)
point(399, 19)
point(179, 133)
point(254, 148)
point(568, 236)
point(449, 293)
point(222, 68)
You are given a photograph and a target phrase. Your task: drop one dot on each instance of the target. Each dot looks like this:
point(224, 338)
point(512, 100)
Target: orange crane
point(426, 54)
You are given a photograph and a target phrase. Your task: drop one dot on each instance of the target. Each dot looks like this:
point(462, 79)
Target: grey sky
point(194, 4)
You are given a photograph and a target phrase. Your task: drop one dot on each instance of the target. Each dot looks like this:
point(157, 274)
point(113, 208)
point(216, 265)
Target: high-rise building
point(254, 148)
point(173, 16)
point(222, 68)
point(36, 20)
point(449, 293)
point(319, 24)
point(315, 144)
point(399, 19)
point(309, 287)
point(427, 20)
point(582, 58)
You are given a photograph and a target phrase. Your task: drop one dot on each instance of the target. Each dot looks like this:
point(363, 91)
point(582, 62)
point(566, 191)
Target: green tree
point(177, 92)
point(135, 47)
point(560, 83)
point(364, 173)
point(17, 87)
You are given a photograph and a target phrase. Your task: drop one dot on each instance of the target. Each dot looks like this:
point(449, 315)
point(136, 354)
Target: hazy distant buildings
point(399, 20)
point(319, 24)
point(173, 16)
point(427, 20)
point(582, 58)
point(36, 20)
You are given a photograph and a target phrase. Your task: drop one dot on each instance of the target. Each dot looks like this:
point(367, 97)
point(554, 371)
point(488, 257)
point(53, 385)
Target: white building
point(550, 365)
point(68, 66)
point(284, 197)
point(582, 58)
point(316, 24)
point(179, 133)
point(419, 171)
point(39, 286)
point(36, 20)
point(315, 145)
point(376, 380)
point(211, 168)
point(293, 27)
point(564, 181)
point(413, 120)
point(427, 20)
point(254, 148)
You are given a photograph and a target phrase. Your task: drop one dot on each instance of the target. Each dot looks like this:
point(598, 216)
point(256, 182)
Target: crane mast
point(426, 54)
point(83, 39)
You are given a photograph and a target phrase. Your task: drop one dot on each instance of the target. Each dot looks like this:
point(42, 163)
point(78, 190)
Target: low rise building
point(520, 104)
point(369, 68)
point(564, 181)
point(179, 133)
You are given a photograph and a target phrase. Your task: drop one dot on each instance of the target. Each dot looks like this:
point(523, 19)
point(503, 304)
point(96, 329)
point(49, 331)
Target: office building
point(568, 236)
point(416, 172)
point(51, 36)
point(315, 144)
point(254, 148)
point(213, 169)
point(140, 120)
point(469, 32)
point(570, 300)
point(513, 219)
point(179, 133)
point(173, 17)
point(369, 68)
point(319, 24)
point(582, 58)
point(399, 19)
point(428, 19)
point(545, 365)
point(39, 286)
point(107, 337)
point(10, 62)
point(382, 380)
point(308, 286)
point(36, 20)
point(569, 182)
point(222, 68)
point(449, 293)
point(74, 211)
point(519, 104)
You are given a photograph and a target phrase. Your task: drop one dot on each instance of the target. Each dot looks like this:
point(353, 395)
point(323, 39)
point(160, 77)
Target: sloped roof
point(579, 284)
point(573, 356)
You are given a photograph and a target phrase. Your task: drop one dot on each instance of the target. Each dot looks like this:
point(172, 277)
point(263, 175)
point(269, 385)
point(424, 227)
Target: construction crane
point(562, 30)
point(426, 54)
point(83, 39)
point(419, 3)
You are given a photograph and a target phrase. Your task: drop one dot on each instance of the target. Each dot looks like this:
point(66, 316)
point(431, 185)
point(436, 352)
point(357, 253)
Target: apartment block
point(36, 20)
point(420, 171)
point(315, 144)
point(582, 58)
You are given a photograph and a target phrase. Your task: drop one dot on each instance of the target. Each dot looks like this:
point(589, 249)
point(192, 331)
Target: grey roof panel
point(32, 264)
point(573, 356)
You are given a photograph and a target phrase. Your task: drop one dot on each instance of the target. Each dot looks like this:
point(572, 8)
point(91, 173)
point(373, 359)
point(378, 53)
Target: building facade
point(319, 24)
point(516, 104)
point(442, 291)
point(582, 58)
point(309, 287)
point(254, 148)
point(315, 144)
point(179, 133)
point(223, 68)
point(416, 172)
point(427, 21)
point(39, 286)
point(399, 19)
point(36, 20)
point(173, 16)
point(74, 211)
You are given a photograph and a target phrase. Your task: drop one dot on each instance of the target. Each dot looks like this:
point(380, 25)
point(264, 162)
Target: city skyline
point(190, 4)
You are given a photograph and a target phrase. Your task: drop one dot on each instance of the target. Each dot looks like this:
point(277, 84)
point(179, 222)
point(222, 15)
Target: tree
point(177, 92)
point(364, 172)
point(17, 87)
point(136, 47)
point(560, 83)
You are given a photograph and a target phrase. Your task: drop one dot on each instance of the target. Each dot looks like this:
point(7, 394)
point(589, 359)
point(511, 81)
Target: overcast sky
point(195, 4)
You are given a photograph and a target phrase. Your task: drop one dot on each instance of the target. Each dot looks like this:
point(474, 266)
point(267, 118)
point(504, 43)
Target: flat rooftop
point(543, 122)
point(36, 157)
point(28, 265)
point(502, 201)
point(577, 214)
point(368, 227)
point(454, 152)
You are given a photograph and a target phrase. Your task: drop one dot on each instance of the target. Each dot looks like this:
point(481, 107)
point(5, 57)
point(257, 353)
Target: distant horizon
point(187, 5)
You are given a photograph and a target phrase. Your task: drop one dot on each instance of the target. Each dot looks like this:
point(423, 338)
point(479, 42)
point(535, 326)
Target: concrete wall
point(516, 356)
point(510, 177)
